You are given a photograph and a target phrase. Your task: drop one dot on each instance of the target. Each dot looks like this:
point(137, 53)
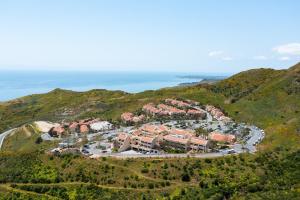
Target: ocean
point(14, 84)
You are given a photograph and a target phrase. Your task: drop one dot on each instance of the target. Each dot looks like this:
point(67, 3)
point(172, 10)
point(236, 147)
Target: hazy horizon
point(16, 84)
point(27, 70)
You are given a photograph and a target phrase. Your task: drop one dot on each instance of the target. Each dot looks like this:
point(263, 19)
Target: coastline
point(204, 81)
point(20, 84)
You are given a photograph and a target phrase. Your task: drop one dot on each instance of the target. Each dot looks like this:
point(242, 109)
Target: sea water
point(14, 84)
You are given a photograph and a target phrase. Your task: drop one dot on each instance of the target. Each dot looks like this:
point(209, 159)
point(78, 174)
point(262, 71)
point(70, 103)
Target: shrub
point(185, 177)
point(150, 185)
point(145, 170)
point(38, 140)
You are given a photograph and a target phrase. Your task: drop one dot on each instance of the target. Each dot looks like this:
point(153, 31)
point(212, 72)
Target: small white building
point(101, 126)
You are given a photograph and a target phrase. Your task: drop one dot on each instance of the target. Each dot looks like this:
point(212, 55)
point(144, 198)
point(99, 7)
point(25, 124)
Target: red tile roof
point(174, 139)
point(220, 137)
point(122, 136)
point(199, 141)
point(84, 129)
point(127, 116)
point(185, 133)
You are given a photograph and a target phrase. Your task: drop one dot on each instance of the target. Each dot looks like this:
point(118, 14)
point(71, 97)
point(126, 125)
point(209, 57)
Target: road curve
point(3, 135)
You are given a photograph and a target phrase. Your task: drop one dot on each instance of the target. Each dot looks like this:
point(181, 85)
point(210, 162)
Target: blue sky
point(133, 35)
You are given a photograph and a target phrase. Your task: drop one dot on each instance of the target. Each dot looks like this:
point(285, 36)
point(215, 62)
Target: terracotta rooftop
point(177, 103)
point(127, 116)
point(220, 137)
point(172, 138)
point(147, 139)
point(199, 141)
point(155, 129)
point(84, 129)
point(58, 129)
point(137, 132)
point(73, 125)
point(186, 133)
point(122, 136)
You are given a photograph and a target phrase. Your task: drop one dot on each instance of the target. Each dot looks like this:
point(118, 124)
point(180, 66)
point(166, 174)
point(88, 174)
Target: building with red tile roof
point(198, 144)
point(154, 129)
point(84, 129)
point(178, 103)
point(220, 137)
point(176, 142)
point(57, 131)
point(171, 110)
point(127, 116)
point(151, 109)
point(73, 127)
point(217, 113)
point(196, 113)
point(182, 132)
point(144, 143)
point(137, 119)
point(122, 141)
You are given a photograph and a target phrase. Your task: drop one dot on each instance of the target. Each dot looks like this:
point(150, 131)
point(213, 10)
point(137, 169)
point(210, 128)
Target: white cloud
point(215, 53)
point(220, 55)
point(288, 49)
point(227, 58)
point(260, 58)
point(284, 58)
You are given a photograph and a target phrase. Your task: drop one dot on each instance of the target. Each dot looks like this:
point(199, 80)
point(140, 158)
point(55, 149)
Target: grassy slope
point(264, 97)
point(273, 107)
point(25, 139)
point(51, 106)
point(250, 177)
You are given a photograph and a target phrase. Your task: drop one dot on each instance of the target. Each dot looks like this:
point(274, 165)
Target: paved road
point(3, 135)
point(124, 156)
point(256, 136)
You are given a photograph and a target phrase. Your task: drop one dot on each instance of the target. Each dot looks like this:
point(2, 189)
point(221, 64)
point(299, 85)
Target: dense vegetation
point(268, 174)
point(267, 98)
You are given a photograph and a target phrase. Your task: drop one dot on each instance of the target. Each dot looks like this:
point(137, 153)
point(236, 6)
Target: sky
point(151, 35)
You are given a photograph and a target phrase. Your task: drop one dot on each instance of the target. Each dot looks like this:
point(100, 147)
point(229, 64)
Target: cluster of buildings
point(130, 118)
point(170, 108)
point(181, 104)
point(153, 138)
point(217, 113)
point(185, 140)
point(173, 107)
point(82, 126)
point(148, 137)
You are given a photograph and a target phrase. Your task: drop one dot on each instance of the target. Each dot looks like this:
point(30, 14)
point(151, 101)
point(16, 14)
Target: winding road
point(3, 135)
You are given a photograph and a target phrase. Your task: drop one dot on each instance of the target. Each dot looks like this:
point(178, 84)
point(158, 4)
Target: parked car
point(85, 151)
point(231, 151)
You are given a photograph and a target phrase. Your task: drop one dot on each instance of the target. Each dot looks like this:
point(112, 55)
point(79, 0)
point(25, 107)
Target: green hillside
point(267, 98)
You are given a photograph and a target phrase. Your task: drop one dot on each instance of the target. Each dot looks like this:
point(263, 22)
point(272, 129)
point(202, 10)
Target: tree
point(201, 132)
point(38, 140)
point(185, 177)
